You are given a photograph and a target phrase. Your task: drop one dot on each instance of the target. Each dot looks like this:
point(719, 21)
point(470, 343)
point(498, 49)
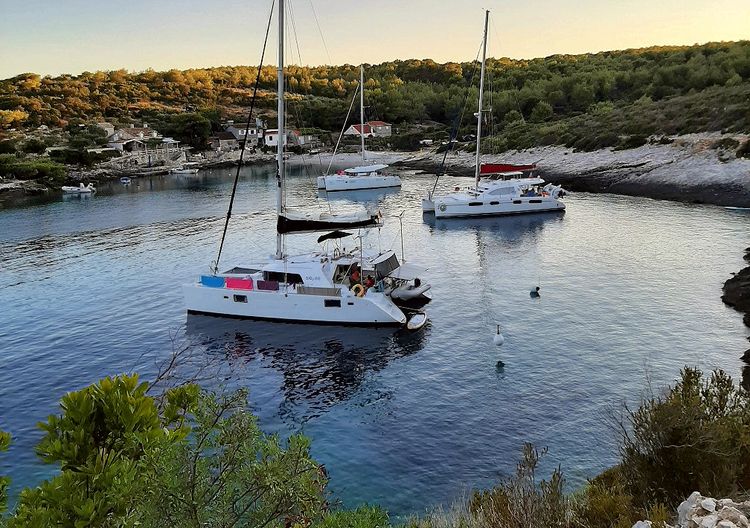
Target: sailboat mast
point(481, 99)
point(280, 133)
point(362, 109)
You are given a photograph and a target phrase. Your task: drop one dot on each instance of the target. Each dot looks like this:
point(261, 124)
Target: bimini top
point(497, 168)
point(366, 169)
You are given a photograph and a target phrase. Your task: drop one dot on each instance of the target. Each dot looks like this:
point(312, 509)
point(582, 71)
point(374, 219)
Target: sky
point(72, 36)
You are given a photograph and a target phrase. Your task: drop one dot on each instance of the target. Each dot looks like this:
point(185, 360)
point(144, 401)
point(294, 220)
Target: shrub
point(7, 147)
point(362, 517)
point(4, 481)
point(632, 141)
point(604, 503)
point(694, 437)
point(521, 501)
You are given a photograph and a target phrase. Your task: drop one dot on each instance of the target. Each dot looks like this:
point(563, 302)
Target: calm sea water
point(630, 294)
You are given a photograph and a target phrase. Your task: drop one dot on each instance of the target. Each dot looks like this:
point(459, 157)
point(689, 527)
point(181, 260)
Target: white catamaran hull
point(351, 183)
point(370, 310)
point(461, 209)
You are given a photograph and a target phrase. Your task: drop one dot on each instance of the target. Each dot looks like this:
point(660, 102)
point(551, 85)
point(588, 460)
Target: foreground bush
point(694, 437)
point(193, 459)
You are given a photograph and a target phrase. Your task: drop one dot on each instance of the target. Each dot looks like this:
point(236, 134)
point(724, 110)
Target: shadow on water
point(320, 366)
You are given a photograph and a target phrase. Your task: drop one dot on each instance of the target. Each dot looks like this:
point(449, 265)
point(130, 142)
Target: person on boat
point(355, 276)
point(369, 282)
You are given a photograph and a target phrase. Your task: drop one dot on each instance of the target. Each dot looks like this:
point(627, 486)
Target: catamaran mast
point(362, 109)
point(280, 133)
point(481, 98)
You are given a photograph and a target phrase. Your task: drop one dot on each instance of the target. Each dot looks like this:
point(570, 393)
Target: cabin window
point(284, 278)
point(332, 303)
point(474, 204)
point(240, 298)
point(535, 201)
point(494, 203)
point(517, 202)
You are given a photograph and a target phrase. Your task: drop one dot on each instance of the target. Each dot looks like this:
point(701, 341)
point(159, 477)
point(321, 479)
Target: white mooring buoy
point(498, 338)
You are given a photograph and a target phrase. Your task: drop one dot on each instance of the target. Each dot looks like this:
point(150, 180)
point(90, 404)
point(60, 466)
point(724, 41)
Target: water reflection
point(509, 225)
point(320, 366)
point(362, 195)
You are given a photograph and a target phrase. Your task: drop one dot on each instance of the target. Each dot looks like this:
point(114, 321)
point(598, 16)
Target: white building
point(371, 129)
point(254, 135)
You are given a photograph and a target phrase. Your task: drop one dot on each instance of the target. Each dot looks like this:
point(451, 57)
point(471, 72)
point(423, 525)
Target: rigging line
point(322, 38)
point(457, 122)
point(343, 129)
point(244, 143)
point(296, 106)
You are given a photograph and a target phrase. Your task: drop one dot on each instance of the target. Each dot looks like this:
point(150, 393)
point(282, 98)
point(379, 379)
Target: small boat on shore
point(81, 189)
point(183, 170)
point(125, 180)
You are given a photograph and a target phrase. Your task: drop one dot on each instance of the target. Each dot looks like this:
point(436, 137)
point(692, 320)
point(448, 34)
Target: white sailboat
point(364, 176)
point(499, 189)
point(342, 287)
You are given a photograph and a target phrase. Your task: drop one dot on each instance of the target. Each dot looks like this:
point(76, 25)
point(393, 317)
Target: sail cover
point(496, 168)
point(290, 222)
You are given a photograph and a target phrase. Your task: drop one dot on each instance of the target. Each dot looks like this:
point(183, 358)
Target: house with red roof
point(371, 129)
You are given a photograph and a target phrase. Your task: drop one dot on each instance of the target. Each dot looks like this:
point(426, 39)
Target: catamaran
point(365, 176)
point(342, 287)
point(499, 189)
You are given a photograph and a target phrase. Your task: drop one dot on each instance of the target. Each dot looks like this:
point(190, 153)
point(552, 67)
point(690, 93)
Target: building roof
point(378, 123)
point(135, 133)
point(357, 128)
point(223, 135)
point(276, 131)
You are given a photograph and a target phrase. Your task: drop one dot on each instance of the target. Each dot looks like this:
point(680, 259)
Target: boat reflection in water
point(359, 196)
point(511, 227)
point(320, 366)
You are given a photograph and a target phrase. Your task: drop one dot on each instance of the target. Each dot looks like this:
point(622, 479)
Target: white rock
point(733, 515)
point(709, 505)
point(709, 521)
point(726, 524)
point(643, 524)
point(684, 509)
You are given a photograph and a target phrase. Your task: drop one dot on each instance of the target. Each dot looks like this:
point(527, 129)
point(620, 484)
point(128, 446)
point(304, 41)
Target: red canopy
point(494, 168)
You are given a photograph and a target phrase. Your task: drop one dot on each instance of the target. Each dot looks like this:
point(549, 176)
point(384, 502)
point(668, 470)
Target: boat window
point(240, 298)
point(332, 303)
point(284, 278)
point(517, 202)
point(473, 204)
point(504, 190)
point(535, 201)
point(494, 203)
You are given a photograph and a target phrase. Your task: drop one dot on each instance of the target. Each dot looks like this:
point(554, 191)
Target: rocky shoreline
point(737, 295)
point(695, 168)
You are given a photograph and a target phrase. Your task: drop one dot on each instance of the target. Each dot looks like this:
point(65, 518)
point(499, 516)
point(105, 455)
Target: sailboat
point(364, 176)
point(499, 189)
point(340, 287)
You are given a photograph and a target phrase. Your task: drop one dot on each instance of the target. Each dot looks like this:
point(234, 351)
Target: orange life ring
point(358, 290)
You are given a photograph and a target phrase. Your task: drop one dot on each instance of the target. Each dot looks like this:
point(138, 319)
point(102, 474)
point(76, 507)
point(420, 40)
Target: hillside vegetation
point(585, 100)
